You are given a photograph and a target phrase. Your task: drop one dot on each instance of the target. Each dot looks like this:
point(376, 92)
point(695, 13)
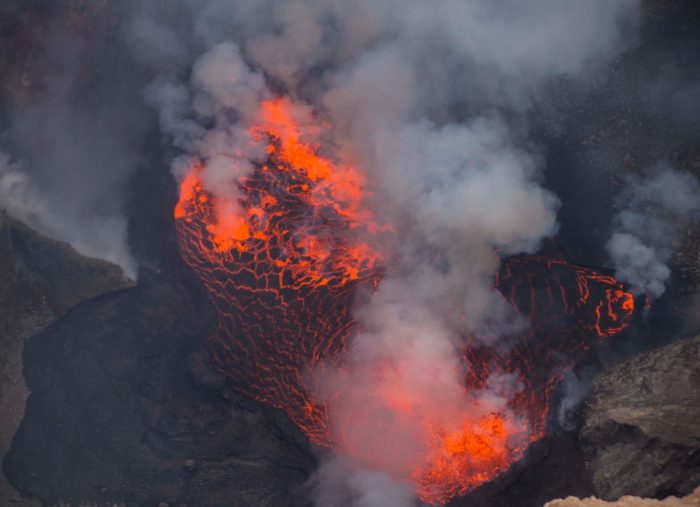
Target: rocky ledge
point(630, 501)
point(641, 433)
point(124, 409)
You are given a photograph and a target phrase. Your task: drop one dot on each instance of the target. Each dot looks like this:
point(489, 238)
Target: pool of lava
point(282, 266)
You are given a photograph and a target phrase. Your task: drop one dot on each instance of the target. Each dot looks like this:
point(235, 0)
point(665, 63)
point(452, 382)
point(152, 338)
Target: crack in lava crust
point(282, 271)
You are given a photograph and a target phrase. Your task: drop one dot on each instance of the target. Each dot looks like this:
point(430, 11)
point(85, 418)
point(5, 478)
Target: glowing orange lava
point(282, 259)
point(463, 460)
point(282, 270)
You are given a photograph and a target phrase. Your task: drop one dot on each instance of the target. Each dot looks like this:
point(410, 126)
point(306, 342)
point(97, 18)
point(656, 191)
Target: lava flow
point(283, 262)
point(281, 273)
point(569, 308)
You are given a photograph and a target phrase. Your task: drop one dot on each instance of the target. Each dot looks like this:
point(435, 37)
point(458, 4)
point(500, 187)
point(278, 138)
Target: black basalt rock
point(116, 413)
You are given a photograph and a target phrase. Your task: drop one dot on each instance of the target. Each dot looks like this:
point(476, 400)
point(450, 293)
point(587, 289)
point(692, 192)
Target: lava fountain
point(282, 265)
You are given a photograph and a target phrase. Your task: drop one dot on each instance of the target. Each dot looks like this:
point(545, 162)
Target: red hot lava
point(283, 262)
point(282, 273)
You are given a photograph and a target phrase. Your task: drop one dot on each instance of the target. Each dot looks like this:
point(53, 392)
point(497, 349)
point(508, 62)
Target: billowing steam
point(652, 211)
point(226, 94)
point(429, 100)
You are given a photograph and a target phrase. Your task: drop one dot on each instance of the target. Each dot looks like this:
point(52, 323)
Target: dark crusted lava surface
point(124, 409)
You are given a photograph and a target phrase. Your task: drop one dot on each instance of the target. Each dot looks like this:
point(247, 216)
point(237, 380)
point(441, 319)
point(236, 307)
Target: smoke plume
point(430, 100)
point(338, 483)
point(75, 122)
point(653, 209)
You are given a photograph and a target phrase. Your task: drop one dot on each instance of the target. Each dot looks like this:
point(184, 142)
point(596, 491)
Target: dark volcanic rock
point(642, 425)
point(36, 270)
point(39, 280)
point(121, 412)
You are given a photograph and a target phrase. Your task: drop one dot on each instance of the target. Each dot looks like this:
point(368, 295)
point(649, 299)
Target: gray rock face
point(642, 425)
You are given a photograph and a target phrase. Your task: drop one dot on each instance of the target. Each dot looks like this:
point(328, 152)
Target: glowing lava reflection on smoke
point(283, 263)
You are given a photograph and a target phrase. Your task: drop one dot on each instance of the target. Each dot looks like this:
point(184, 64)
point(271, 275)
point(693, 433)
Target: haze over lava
point(282, 262)
point(351, 180)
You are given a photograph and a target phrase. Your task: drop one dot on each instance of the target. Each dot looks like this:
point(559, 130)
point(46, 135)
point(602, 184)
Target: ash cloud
point(653, 210)
point(430, 100)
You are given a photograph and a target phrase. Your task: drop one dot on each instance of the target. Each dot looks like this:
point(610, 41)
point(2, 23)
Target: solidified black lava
point(123, 408)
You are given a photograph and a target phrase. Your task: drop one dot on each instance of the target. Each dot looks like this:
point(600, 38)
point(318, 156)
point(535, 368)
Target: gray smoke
point(575, 387)
point(221, 83)
point(101, 235)
point(653, 209)
point(338, 483)
point(430, 100)
point(76, 128)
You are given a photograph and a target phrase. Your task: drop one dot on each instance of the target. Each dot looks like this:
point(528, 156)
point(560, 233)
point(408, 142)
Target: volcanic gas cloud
point(294, 260)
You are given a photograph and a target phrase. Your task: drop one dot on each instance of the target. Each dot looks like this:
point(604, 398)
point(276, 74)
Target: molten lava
point(283, 270)
point(282, 259)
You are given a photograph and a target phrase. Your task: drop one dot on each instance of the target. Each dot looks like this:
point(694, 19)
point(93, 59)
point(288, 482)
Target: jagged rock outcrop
point(125, 409)
point(641, 433)
point(629, 501)
point(40, 279)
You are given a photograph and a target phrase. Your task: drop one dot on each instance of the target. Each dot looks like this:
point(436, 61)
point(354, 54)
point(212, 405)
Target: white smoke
point(16, 193)
point(366, 63)
point(93, 235)
point(429, 99)
point(653, 210)
point(77, 125)
point(339, 483)
point(575, 387)
point(225, 94)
